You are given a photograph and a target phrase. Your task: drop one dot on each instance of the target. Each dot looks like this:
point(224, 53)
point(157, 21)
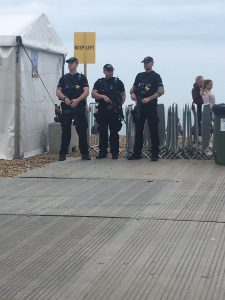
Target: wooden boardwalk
point(114, 230)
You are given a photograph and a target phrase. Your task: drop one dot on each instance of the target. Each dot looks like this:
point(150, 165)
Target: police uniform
point(108, 116)
point(146, 84)
point(72, 86)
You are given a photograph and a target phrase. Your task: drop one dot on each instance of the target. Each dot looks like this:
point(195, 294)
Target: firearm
point(116, 104)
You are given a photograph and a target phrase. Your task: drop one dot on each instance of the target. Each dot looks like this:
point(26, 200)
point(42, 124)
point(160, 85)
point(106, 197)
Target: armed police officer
point(147, 88)
point(110, 95)
point(72, 90)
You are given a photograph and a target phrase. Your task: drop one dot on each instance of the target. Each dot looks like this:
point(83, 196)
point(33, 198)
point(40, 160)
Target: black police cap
point(108, 67)
point(72, 60)
point(147, 59)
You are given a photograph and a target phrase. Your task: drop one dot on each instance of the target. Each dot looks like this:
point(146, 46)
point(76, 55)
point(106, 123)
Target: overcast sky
point(185, 38)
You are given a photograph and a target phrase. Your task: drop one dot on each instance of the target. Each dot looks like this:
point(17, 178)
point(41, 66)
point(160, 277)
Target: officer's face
point(72, 66)
point(148, 66)
point(108, 73)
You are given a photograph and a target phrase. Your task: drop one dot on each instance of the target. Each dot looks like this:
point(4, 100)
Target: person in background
point(206, 93)
point(197, 98)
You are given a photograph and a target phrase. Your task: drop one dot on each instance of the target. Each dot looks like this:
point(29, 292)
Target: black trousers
point(81, 127)
point(108, 122)
point(148, 112)
point(199, 113)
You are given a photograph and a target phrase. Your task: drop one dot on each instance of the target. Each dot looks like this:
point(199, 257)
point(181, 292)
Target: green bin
point(219, 133)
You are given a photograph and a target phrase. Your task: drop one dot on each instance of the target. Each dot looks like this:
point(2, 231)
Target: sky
point(185, 38)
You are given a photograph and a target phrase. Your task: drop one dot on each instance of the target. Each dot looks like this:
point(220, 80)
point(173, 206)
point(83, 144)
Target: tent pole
point(63, 66)
point(17, 149)
point(85, 70)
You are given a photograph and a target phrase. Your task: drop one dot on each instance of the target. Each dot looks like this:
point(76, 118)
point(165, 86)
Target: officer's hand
point(106, 99)
point(74, 103)
point(67, 101)
point(145, 100)
point(133, 97)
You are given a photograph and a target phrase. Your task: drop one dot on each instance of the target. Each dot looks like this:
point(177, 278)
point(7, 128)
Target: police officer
point(72, 90)
point(147, 88)
point(110, 95)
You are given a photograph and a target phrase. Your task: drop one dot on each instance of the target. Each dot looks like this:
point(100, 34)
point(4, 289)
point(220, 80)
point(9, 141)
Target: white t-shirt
point(208, 98)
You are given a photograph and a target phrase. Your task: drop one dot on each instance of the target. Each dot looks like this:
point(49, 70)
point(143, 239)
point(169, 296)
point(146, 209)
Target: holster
point(58, 114)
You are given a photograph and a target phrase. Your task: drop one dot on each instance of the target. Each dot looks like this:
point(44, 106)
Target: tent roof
point(35, 31)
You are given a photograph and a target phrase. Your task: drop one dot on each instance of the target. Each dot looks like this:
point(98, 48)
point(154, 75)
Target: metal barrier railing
point(162, 129)
point(177, 141)
point(173, 149)
point(187, 137)
point(93, 135)
point(130, 129)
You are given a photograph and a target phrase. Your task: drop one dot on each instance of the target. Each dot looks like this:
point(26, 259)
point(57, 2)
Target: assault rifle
point(116, 104)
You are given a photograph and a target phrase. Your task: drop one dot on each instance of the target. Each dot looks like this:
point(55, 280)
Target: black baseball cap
point(72, 60)
point(147, 59)
point(108, 67)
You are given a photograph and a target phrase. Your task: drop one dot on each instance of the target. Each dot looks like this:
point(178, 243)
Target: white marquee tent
point(26, 106)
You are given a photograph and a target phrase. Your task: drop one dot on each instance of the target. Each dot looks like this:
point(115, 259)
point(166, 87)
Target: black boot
point(154, 157)
point(62, 157)
point(101, 155)
point(134, 156)
point(85, 157)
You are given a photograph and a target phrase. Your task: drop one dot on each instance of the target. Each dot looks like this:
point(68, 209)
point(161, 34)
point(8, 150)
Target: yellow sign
point(84, 47)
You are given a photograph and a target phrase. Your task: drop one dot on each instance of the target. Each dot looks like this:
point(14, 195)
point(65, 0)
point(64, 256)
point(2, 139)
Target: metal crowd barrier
point(179, 139)
point(172, 133)
point(93, 135)
point(190, 142)
point(162, 129)
point(130, 129)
